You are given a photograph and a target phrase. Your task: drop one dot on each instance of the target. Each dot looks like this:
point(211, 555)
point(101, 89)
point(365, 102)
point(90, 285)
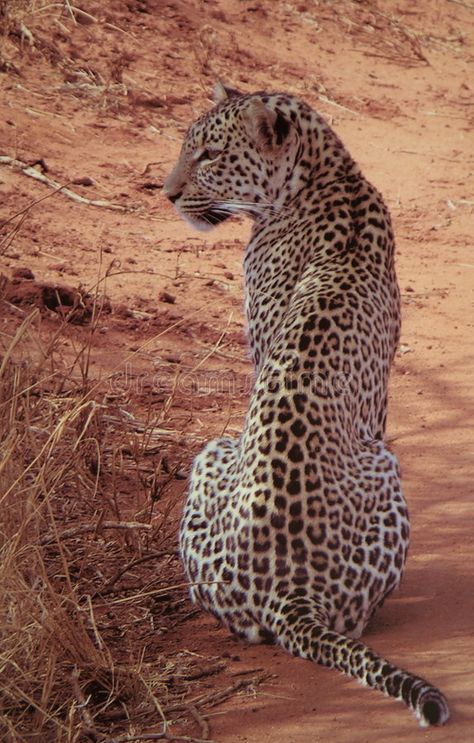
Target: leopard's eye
point(208, 155)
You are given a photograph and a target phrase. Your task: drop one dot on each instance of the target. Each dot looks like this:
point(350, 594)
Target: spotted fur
point(298, 530)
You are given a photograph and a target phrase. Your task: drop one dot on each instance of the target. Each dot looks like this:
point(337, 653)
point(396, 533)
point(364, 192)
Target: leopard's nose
point(173, 186)
point(174, 196)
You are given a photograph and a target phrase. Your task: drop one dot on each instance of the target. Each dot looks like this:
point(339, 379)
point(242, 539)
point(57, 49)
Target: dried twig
point(86, 528)
point(246, 673)
point(325, 99)
point(469, 6)
point(154, 434)
point(88, 727)
point(133, 563)
point(203, 724)
point(203, 671)
point(68, 6)
point(407, 34)
point(157, 736)
point(22, 213)
point(146, 594)
point(213, 349)
point(80, 13)
point(33, 173)
point(216, 697)
point(218, 352)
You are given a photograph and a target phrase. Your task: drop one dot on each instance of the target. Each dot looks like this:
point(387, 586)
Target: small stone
point(175, 100)
point(166, 297)
point(219, 15)
point(221, 285)
point(121, 310)
point(229, 275)
point(23, 273)
point(150, 101)
point(83, 181)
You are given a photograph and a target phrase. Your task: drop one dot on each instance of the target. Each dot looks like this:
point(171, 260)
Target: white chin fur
point(198, 224)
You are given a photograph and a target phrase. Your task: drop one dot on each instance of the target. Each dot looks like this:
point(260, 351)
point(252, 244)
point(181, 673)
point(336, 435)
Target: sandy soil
point(107, 99)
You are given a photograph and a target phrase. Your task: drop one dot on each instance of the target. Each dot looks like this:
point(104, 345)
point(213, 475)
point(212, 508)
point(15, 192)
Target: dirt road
point(104, 104)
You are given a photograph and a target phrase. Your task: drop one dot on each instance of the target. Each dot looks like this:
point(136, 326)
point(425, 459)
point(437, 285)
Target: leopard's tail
point(301, 630)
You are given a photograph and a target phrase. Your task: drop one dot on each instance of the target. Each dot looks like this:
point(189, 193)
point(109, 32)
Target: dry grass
point(32, 26)
point(81, 562)
point(89, 575)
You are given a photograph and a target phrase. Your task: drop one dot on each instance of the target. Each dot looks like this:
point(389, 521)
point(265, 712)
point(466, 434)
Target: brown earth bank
point(96, 98)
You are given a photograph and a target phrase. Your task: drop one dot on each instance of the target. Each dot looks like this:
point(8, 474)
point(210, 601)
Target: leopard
point(296, 531)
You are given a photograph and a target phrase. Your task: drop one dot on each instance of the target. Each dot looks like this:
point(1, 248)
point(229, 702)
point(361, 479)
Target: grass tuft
point(78, 558)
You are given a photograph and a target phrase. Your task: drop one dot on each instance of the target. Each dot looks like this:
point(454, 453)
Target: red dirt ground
point(107, 97)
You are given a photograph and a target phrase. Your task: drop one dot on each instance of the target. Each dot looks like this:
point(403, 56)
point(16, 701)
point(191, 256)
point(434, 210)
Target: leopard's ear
point(267, 128)
point(223, 92)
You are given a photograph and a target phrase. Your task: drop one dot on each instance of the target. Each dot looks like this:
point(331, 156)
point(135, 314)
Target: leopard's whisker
point(256, 208)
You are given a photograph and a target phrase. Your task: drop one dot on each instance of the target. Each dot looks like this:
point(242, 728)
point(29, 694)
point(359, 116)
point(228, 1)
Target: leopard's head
point(234, 159)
